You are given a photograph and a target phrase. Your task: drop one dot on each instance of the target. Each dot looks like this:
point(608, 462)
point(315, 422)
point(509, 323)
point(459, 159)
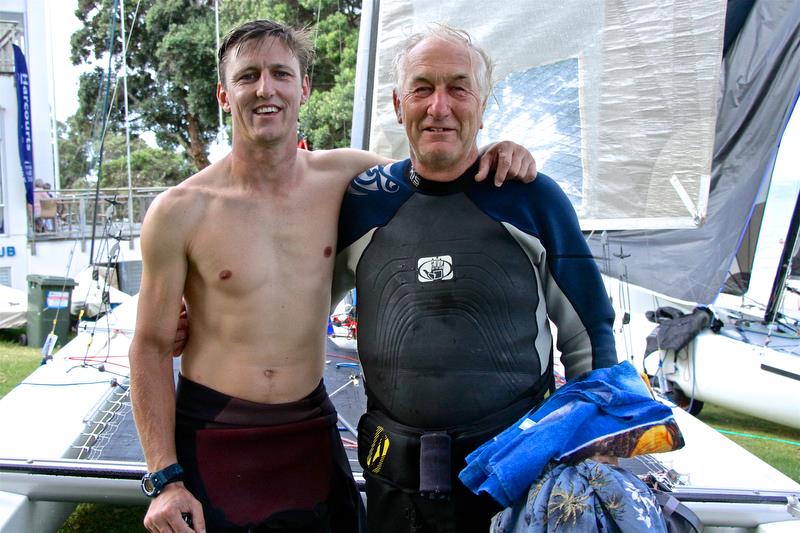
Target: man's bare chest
point(241, 247)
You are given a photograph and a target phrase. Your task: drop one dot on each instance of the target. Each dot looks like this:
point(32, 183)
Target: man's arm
point(507, 159)
point(164, 262)
point(575, 295)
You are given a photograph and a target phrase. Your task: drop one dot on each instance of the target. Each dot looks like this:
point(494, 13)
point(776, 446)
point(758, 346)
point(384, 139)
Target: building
point(63, 243)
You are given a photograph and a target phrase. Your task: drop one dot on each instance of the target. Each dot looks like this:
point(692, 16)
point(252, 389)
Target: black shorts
point(265, 467)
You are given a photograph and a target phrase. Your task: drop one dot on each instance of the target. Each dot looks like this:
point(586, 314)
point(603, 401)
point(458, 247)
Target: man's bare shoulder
point(181, 207)
point(193, 190)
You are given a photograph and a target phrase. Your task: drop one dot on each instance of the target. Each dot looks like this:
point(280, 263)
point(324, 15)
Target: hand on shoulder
point(509, 160)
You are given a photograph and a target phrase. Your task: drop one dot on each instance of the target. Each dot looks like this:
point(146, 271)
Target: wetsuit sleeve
point(576, 298)
point(369, 203)
point(541, 219)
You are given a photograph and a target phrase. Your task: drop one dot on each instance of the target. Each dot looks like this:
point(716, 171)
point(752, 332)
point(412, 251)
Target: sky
point(62, 23)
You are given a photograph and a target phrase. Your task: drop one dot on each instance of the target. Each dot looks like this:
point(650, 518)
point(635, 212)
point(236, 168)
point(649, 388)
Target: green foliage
point(150, 166)
point(101, 518)
point(326, 118)
point(73, 156)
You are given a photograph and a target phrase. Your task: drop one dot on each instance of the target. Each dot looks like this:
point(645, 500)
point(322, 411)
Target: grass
point(761, 438)
point(16, 362)
point(101, 518)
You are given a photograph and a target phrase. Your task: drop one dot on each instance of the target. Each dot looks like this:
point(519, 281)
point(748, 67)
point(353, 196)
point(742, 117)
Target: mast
point(785, 265)
point(365, 72)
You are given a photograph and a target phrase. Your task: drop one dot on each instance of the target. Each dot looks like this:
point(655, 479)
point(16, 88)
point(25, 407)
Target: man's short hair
point(296, 40)
point(483, 67)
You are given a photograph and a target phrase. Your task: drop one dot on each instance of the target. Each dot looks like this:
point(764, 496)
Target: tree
point(172, 67)
point(171, 70)
point(150, 167)
point(73, 160)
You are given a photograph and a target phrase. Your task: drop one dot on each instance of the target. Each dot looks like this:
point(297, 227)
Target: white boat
point(13, 307)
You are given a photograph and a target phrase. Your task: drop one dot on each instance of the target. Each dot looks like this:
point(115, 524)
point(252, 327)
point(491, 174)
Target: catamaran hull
point(719, 368)
point(749, 379)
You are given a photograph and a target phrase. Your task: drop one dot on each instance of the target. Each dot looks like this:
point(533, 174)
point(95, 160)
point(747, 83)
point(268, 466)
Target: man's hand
point(167, 510)
point(509, 160)
point(182, 333)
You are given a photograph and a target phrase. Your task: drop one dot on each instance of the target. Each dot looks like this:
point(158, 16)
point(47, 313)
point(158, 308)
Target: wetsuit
point(456, 282)
point(265, 467)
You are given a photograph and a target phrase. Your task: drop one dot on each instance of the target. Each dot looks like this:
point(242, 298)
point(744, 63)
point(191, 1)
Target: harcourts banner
point(25, 133)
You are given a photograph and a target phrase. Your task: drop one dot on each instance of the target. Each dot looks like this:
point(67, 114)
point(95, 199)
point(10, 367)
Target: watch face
point(148, 487)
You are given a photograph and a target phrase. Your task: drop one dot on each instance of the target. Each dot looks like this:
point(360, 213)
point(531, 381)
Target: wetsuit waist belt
point(199, 406)
point(427, 461)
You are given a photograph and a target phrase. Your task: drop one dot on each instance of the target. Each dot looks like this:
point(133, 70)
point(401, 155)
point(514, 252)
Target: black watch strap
point(154, 482)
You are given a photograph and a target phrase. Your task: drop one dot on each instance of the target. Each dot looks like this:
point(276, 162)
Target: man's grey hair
point(482, 68)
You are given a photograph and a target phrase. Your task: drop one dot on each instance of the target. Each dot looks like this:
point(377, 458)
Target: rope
point(762, 437)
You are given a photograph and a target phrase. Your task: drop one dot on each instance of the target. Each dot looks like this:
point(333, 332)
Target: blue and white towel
point(599, 404)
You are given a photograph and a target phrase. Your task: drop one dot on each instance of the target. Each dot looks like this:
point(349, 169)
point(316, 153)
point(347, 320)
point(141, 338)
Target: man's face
point(263, 90)
point(440, 106)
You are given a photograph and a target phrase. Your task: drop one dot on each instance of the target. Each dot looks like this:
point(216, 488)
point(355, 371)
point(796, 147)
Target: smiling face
point(439, 103)
point(263, 90)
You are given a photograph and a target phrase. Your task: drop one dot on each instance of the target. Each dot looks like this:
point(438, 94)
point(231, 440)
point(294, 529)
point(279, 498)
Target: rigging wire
point(112, 32)
point(111, 255)
point(316, 34)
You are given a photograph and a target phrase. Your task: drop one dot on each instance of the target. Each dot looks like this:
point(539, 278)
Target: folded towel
point(593, 407)
point(589, 496)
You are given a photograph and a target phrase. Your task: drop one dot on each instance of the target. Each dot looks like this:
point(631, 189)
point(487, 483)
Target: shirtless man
point(250, 241)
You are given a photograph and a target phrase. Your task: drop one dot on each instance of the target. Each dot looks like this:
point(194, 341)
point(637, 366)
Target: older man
point(249, 441)
point(456, 282)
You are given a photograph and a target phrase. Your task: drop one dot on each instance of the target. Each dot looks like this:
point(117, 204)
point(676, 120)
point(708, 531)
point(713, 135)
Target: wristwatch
point(154, 482)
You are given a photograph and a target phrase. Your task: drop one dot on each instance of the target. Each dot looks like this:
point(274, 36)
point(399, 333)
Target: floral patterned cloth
point(588, 496)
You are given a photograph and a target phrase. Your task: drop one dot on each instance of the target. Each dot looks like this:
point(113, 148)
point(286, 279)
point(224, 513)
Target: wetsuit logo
point(378, 450)
point(435, 268)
